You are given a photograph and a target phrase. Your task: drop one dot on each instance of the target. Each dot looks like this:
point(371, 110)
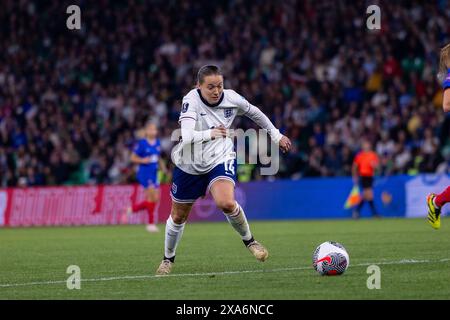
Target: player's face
point(212, 88)
point(151, 131)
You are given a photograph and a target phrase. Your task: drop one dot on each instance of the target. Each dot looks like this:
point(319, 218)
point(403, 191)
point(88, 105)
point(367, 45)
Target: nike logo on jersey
point(203, 114)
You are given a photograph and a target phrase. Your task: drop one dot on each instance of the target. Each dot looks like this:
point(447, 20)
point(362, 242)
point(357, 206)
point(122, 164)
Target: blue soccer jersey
point(147, 174)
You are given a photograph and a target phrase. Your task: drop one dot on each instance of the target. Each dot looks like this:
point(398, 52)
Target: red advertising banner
point(88, 205)
point(63, 206)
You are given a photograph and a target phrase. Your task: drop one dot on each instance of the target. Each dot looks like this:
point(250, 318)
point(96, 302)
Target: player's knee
point(179, 215)
point(178, 218)
point(226, 205)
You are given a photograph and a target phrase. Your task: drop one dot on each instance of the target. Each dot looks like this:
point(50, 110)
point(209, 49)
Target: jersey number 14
point(229, 167)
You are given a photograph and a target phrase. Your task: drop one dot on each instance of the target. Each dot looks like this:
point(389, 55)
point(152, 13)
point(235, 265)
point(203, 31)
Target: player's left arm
point(162, 164)
point(355, 175)
point(446, 101)
point(376, 164)
point(257, 116)
point(137, 156)
point(444, 75)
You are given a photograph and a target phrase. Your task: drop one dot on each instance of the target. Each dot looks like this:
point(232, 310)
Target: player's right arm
point(257, 116)
point(355, 170)
point(445, 67)
point(376, 164)
point(188, 119)
point(446, 101)
point(136, 157)
point(139, 160)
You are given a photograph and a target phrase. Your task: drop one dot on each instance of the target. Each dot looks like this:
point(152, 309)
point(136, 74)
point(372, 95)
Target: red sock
point(135, 206)
point(99, 199)
point(150, 210)
point(139, 206)
point(442, 198)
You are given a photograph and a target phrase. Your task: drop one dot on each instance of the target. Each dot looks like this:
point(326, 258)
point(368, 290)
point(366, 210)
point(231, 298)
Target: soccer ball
point(330, 259)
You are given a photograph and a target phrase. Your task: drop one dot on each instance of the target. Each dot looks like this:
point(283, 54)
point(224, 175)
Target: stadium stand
point(71, 101)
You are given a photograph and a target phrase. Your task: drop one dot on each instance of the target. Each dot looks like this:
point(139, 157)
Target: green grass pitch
point(118, 262)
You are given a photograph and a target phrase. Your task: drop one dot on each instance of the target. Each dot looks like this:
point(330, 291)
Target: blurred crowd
point(71, 101)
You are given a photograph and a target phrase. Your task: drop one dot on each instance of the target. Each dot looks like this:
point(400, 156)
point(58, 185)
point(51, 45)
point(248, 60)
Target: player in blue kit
point(435, 202)
point(206, 161)
point(146, 154)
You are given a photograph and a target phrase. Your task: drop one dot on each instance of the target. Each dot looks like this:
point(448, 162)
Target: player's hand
point(219, 132)
point(146, 160)
point(285, 144)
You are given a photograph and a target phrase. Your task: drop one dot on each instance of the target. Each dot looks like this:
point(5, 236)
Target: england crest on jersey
point(228, 113)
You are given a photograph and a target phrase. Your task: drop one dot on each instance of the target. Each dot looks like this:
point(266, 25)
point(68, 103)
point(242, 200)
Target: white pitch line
point(398, 262)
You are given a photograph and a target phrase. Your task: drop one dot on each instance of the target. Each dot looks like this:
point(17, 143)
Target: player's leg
point(186, 188)
point(145, 182)
point(370, 199)
point(136, 206)
point(434, 204)
point(222, 191)
point(223, 194)
point(151, 191)
point(442, 198)
point(152, 198)
point(367, 196)
point(133, 207)
point(174, 231)
point(357, 211)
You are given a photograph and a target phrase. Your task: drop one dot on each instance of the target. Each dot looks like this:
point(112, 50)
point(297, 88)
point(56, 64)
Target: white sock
point(174, 232)
point(238, 221)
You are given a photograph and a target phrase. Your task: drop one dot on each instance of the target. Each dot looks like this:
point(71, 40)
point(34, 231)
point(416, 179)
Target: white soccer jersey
point(202, 157)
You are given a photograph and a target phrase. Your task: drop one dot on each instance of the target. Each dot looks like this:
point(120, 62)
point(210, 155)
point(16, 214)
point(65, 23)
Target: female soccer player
point(146, 154)
point(205, 159)
point(436, 202)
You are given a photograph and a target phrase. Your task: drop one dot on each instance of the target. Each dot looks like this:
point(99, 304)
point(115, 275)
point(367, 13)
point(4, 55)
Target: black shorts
point(366, 182)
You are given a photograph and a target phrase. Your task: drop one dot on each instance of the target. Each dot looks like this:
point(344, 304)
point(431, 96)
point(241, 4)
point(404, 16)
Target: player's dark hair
point(207, 70)
point(151, 122)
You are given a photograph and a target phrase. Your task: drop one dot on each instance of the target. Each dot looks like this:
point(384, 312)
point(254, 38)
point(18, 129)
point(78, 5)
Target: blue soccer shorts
point(148, 180)
point(186, 188)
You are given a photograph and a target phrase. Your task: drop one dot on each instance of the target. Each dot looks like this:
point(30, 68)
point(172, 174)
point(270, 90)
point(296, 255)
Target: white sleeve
point(242, 103)
point(190, 135)
point(188, 110)
point(261, 120)
point(247, 109)
point(188, 118)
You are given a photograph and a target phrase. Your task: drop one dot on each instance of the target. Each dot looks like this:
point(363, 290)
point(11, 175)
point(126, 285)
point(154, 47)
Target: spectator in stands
point(71, 100)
